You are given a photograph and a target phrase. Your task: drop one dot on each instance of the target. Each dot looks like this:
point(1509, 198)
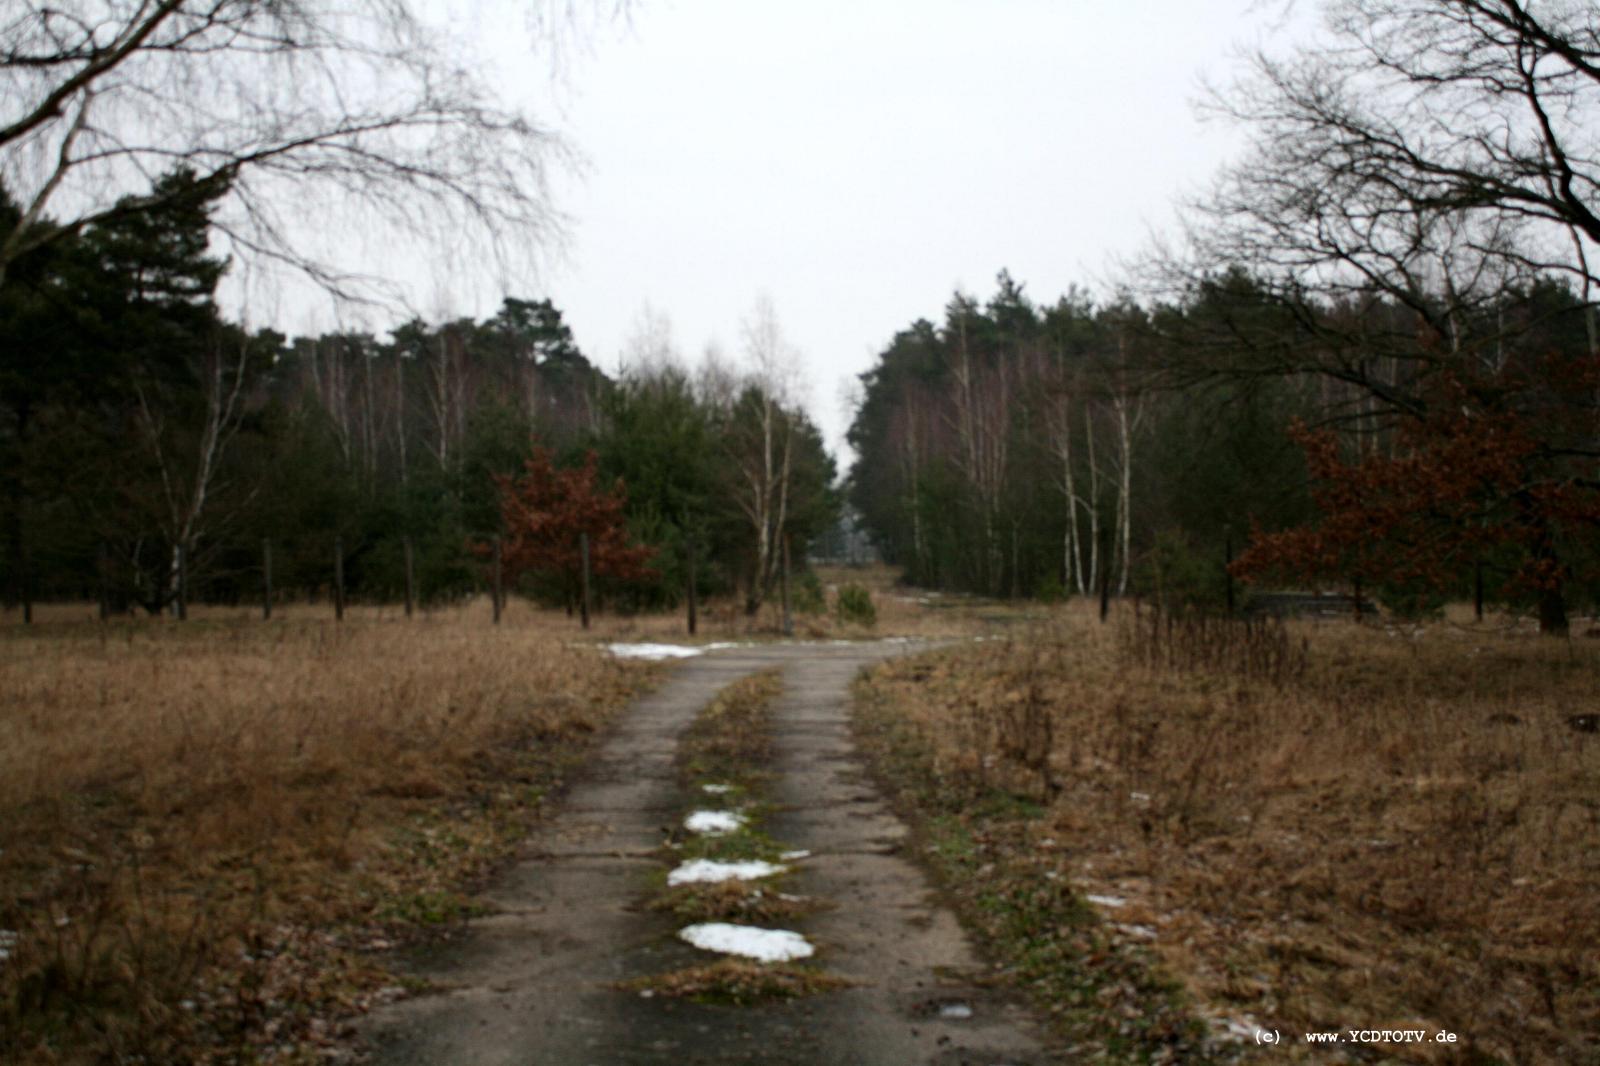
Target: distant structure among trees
point(846, 542)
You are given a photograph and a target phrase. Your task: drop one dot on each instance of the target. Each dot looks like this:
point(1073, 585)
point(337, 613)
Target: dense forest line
point(1370, 359)
point(1012, 449)
point(1371, 347)
point(145, 437)
point(1018, 449)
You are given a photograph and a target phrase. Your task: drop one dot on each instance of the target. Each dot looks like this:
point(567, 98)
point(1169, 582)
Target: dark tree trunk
point(1553, 611)
point(694, 611)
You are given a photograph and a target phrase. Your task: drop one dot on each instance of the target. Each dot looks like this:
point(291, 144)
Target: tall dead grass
point(1400, 831)
point(201, 819)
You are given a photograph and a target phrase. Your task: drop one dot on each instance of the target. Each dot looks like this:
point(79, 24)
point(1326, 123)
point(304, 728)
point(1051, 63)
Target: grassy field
point(1326, 827)
point(212, 829)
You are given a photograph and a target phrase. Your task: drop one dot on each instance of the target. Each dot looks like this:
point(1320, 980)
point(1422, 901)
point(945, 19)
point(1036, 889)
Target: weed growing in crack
point(738, 983)
point(730, 741)
point(755, 902)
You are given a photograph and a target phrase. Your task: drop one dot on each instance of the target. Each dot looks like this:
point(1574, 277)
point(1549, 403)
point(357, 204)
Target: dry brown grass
point(735, 901)
point(911, 612)
point(207, 823)
point(738, 982)
point(1404, 832)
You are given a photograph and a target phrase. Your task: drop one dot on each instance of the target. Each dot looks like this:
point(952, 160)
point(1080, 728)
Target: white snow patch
point(1105, 901)
point(794, 856)
point(958, 1011)
point(1245, 1029)
point(713, 822)
point(708, 870)
point(765, 945)
point(717, 790)
point(653, 651)
point(8, 940)
point(1143, 932)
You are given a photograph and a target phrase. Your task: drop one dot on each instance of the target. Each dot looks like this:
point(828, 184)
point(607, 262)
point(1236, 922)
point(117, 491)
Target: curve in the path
point(535, 983)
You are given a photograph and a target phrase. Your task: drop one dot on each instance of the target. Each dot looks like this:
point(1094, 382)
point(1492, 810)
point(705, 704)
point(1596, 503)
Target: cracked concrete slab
point(536, 982)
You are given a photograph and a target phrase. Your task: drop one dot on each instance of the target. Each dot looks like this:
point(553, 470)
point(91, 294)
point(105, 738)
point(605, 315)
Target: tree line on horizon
point(136, 423)
point(1017, 449)
point(1370, 361)
point(1373, 349)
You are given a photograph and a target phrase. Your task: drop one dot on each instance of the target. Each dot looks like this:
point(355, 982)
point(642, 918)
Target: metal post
point(583, 551)
point(338, 579)
point(266, 579)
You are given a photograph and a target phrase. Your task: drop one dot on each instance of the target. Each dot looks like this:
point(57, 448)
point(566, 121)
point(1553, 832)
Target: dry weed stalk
point(1371, 829)
point(182, 802)
point(1257, 648)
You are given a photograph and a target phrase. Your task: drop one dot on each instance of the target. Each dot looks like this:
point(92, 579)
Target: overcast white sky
point(858, 160)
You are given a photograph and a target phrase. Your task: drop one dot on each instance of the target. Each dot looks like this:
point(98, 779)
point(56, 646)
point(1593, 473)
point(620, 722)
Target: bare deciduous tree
point(1426, 155)
point(188, 458)
point(323, 118)
point(763, 450)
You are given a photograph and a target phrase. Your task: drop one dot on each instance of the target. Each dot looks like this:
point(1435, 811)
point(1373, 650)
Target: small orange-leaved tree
point(1460, 485)
point(544, 514)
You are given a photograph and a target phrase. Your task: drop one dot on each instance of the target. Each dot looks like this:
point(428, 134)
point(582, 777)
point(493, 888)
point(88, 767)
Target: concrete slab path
point(535, 983)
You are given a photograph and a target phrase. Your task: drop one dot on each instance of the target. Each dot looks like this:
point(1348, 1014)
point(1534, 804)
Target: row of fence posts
point(180, 600)
point(497, 587)
point(497, 590)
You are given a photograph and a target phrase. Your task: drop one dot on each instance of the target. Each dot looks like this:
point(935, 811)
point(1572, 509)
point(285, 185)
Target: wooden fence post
point(266, 579)
point(24, 572)
point(583, 551)
point(411, 581)
point(1105, 574)
point(499, 588)
point(1227, 565)
point(103, 565)
point(788, 616)
point(693, 603)
point(338, 579)
point(183, 584)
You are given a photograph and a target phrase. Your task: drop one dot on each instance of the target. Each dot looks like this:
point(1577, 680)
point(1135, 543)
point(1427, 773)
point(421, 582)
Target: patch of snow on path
point(653, 651)
point(713, 822)
point(708, 870)
point(765, 945)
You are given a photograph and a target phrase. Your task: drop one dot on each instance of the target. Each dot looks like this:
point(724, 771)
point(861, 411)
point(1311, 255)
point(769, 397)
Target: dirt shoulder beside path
point(537, 981)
